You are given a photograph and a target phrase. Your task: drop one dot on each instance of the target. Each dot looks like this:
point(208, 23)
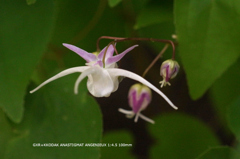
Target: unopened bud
point(139, 97)
point(168, 70)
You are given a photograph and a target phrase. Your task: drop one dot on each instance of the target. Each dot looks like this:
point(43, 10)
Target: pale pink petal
point(109, 52)
point(116, 58)
point(84, 54)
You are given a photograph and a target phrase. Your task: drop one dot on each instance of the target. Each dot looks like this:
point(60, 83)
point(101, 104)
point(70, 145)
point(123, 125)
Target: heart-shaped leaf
point(207, 33)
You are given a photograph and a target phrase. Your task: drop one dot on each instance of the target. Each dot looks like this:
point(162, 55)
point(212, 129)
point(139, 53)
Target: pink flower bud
point(168, 70)
point(139, 97)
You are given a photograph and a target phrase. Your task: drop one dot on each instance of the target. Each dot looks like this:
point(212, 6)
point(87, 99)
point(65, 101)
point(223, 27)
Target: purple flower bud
point(139, 97)
point(168, 70)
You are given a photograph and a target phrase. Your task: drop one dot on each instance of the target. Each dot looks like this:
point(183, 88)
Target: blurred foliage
point(185, 138)
point(226, 90)
point(29, 2)
point(49, 118)
point(25, 32)
point(207, 43)
point(233, 117)
point(113, 3)
point(220, 153)
point(154, 13)
point(116, 148)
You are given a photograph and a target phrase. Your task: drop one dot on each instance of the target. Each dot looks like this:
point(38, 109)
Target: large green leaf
point(54, 114)
point(154, 13)
point(6, 133)
point(118, 145)
point(220, 153)
point(208, 33)
point(233, 117)
point(75, 20)
point(226, 89)
point(180, 136)
point(25, 31)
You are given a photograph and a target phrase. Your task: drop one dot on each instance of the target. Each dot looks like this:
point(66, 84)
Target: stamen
point(136, 117)
point(130, 115)
point(146, 118)
point(127, 112)
point(164, 83)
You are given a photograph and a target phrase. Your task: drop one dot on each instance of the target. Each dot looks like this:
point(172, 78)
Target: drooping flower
point(102, 72)
point(139, 97)
point(169, 69)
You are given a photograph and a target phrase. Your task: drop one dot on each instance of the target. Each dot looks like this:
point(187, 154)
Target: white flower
point(102, 75)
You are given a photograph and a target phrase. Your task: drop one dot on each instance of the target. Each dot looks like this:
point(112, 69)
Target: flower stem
point(155, 60)
point(119, 39)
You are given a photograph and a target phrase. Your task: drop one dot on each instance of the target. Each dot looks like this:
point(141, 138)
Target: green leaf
point(154, 14)
point(84, 32)
point(220, 153)
point(180, 136)
point(113, 3)
point(208, 34)
point(24, 33)
point(233, 117)
point(226, 89)
point(6, 133)
point(68, 26)
point(163, 31)
point(30, 2)
point(55, 114)
point(118, 145)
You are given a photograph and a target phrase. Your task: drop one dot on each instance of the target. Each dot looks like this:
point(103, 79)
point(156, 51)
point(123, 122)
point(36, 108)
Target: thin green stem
point(155, 60)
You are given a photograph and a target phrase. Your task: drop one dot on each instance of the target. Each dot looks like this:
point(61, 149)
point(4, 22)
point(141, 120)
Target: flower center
point(95, 63)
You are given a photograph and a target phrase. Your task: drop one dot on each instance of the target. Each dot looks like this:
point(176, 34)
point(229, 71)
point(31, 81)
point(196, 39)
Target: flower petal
point(100, 83)
point(114, 59)
point(121, 72)
point(115, 79)
point(81, 77)
point(109, 52)
point(139, 101)
point(84, 54)
point(61, 74)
